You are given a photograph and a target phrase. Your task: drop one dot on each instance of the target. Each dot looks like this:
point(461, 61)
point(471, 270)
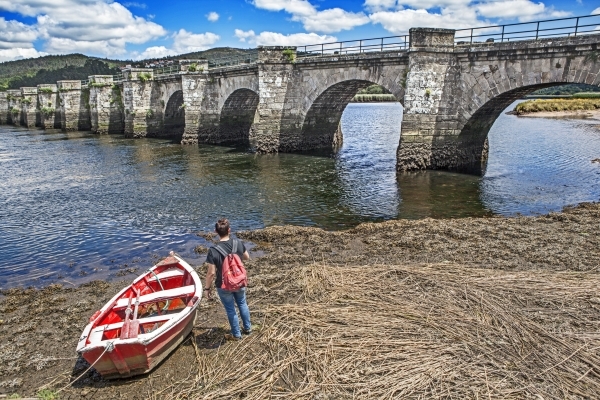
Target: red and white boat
point(165, 298)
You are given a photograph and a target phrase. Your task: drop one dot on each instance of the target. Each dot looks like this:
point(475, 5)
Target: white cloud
point(14, 34)
point(523, 10)
point(399, 22)
point(155, 52)
point(185, 42)
point(212, 16)
point(100, 27)
point(379, 5)
point(19, 53)
point(596, 11)
point(134, 4)
point(279, 39)
point(327, 21)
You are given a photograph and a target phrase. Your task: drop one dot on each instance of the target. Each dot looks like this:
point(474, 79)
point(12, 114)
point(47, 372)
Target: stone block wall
point(194, 93)
point(49, 107)
point(106, 105)
point(74, 106)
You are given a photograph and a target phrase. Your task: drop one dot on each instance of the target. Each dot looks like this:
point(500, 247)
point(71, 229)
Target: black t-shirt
point(216, 258)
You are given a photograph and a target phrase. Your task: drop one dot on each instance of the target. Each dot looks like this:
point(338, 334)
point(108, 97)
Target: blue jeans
point(229, 299)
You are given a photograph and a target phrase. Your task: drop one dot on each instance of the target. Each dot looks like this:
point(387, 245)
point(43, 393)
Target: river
point(77, 206)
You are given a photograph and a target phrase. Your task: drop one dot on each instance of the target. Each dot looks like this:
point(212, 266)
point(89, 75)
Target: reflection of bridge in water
point(452, 84)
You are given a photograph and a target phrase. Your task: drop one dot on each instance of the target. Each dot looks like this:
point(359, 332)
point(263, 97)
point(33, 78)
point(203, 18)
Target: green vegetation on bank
point(566, 89)
point(365, 98)
point(587, 95)
point(573, 104)
point(373, 93)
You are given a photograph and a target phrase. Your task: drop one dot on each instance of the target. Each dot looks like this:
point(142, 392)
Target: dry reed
point(421, 331)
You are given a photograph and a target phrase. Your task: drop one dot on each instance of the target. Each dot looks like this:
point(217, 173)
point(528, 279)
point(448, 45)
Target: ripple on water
point(81, 206)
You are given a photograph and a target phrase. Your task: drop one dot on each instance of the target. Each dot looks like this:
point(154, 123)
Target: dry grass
point(422, 331)
point(573, 104)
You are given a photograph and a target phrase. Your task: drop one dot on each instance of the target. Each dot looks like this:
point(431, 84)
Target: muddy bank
point(40, 328)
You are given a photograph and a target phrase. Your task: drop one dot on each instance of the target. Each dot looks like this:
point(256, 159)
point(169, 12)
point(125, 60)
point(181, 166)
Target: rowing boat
point(166, 299)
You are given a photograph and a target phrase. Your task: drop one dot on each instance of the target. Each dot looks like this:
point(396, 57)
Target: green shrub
point(145, 76)
point(26, 100)
point(46, 90)
point(193, 67)
point(289, 55)
point(47, 112)
point(15, 111)
point(149, 113)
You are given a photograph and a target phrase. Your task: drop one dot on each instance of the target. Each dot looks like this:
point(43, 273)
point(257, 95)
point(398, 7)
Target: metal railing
point(170, 70)
point(388, 43)
point(85, 83)
point(559, 27)
point(249, 57)
point(118, 78)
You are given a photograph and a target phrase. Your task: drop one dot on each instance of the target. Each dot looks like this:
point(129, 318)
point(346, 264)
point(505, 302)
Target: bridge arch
point(174, 115)
point(480, 108)
point(237, 115)
point(324, 105)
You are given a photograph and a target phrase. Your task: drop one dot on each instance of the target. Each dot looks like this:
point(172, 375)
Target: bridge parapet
point(106, 105)
point(74, 106)
point(14, 97)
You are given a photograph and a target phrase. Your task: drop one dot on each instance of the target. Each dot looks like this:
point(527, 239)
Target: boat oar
point(125, 328)
point(134, 325)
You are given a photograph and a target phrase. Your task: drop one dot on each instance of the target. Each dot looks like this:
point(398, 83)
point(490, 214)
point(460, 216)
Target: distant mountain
point(49, 69)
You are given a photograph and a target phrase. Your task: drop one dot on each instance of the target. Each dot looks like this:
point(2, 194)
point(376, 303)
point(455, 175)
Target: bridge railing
point(249, 57)
point(170, 70)
point(559, 27)
point(354, 46)
point(118, 78)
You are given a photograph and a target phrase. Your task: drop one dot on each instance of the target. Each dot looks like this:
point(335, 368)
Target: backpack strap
point(220, 250)
point(223, 252)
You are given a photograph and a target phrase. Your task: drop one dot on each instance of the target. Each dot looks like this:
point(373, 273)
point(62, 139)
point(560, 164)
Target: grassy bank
point(572, 104)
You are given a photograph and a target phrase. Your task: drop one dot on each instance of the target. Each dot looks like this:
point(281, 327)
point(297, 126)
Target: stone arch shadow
point(237, 116)
point(174, 116)
point(321, 127)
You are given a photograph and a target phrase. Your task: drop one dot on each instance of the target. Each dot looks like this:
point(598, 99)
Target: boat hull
point(136, 358)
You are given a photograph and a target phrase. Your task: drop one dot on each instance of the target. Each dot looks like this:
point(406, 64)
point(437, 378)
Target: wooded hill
point(49, 69)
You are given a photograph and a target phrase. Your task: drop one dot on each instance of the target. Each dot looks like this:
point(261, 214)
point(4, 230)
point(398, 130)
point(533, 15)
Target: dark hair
point(222, 227)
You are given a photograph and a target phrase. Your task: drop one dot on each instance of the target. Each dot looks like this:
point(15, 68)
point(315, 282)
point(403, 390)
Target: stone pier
point(14, 97)
point(49, 107)
point(74, 106)
point(275, 69)
point(29, 107)
point(106, 105)
point(4, 111)
point(137, 102)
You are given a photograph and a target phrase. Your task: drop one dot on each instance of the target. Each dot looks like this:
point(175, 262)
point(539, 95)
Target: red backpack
point(233, 271)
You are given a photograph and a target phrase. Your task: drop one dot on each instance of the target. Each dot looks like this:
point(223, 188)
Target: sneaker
point(247, 332)
point(230, 337)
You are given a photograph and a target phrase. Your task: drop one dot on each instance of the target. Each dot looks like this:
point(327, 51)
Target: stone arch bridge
point(452, 93)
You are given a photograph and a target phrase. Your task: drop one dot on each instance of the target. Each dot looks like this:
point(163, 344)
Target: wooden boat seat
point(149, 320)
point(170, 273)
point(157, 296)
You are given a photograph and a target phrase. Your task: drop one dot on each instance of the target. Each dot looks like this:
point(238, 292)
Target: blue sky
point(151, 28)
